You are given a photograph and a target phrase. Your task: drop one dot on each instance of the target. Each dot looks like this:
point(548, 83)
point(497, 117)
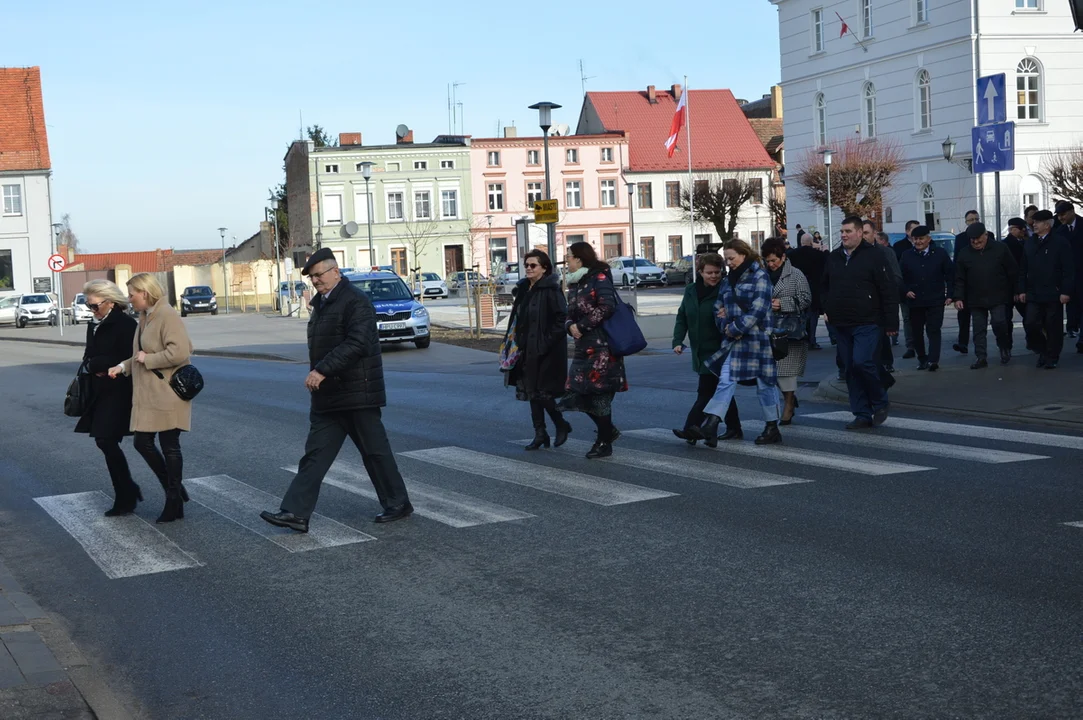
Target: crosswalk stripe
point(1075, 524)
point(799, 456)
point(242, 503)
point(887, 442)
point(430, 501)
point(596, 490)
point(121, 546)
point(1028, 437)
point(683, 467)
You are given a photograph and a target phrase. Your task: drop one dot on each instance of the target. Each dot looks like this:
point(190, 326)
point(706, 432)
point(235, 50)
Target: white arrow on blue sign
point(992, 99)
point(994, 147)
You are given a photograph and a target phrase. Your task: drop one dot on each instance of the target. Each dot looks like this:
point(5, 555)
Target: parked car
point(9, 309)
point(458, 280)
point(79, 311)
point(641, 271)
point(198, 299)
point(509, 274)
point(677, 271)
point(399, 317)
point(432, 286)
point(36, 308)
point(299, 290)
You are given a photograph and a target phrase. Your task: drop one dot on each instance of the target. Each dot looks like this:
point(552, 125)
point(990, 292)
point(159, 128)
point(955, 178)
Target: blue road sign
point(994, 147)
point(992, 99)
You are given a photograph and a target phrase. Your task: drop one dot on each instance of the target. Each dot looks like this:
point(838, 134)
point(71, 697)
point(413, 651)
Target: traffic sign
point(57, 263)
point(992, 99)
point(546, 211)
point(994, 147)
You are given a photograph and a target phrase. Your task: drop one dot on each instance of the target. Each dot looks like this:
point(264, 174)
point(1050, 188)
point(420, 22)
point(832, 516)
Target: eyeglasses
point(533, 265)
point(317, 276)
point(94, 306)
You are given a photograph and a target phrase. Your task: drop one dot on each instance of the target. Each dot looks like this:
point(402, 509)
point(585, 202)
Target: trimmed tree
point(861, 173)
point(718, 200)
point(1065, 171)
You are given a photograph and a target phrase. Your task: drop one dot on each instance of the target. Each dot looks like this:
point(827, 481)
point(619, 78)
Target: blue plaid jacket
point(746, 329)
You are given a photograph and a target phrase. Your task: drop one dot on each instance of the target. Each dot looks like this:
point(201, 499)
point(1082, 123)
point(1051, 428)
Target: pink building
point(508, 174)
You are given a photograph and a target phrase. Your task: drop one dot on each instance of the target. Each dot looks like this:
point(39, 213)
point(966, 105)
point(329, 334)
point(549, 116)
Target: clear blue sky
point(169, 120)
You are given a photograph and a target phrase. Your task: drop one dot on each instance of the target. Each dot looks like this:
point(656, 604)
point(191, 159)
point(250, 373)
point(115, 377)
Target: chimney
point(407, 139)
point(776, 101)
point(510, 132)
point(676, 91)
point(348, 139)
point(651, 97)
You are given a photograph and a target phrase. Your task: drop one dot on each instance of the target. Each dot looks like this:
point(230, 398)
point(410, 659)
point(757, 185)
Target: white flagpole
point(691, 184)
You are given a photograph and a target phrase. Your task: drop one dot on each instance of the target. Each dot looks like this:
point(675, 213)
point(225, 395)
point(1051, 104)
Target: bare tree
point(67, 236)
point(776, 203)
point(419, 236)
point(861, 173)
point(718, 200)
point(1065, 171)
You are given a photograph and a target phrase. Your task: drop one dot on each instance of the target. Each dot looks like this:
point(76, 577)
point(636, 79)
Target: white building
point(26, 231)
point(915, 81)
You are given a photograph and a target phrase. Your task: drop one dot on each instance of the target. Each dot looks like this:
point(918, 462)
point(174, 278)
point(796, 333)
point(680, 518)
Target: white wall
point(28, 236)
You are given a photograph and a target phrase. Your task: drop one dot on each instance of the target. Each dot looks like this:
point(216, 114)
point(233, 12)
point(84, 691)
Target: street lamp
point(632, 233)
point(545, 121)
point(948, 147)
point(366, 172)
point(826, 152)
point(225, 284)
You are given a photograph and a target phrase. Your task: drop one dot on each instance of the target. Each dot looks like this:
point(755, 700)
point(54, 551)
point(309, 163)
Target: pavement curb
point(240, 355)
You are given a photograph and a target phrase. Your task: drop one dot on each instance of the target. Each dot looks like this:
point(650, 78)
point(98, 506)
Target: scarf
point(776, 274)
point(573, 278)
point(734, 276)
point(703, 290)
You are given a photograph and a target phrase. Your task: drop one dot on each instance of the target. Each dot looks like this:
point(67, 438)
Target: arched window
point(1032, 188)
point(924, 100)
point(1028, 84)
point(928, 202)
point(820, 109)
point(868, 95)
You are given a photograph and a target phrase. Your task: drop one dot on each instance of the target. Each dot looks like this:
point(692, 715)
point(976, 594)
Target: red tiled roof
point(148, 261)
point(722, 139)
point(190, 257)
point(769, 131)
point(24, 143)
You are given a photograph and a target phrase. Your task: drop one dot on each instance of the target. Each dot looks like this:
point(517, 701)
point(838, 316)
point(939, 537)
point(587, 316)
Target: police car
point(399, 317)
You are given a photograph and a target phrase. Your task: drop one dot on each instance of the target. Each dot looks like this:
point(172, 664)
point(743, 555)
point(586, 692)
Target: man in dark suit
point(1018, 232)
point(962, 240)
point(811, 263)
point(1046, 281)
point(1071, 227)
point(347, 385)
point(900, 247)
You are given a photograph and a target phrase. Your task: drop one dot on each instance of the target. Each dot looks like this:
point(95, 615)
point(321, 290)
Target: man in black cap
point(347, 385)
point(1046, 279)
point(961, 241)
point(985, 279)
point(1072, 229)
point(928, 284)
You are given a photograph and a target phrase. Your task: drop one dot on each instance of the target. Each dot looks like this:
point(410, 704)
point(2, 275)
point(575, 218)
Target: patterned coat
point(746, 344)
point(793, 292)
point(594, 370)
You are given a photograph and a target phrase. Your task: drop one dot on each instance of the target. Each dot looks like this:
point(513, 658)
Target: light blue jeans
point(768, 395)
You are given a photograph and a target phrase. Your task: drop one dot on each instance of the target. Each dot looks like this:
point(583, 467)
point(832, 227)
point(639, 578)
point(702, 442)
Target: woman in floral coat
point(744, 316)
point(595, 375)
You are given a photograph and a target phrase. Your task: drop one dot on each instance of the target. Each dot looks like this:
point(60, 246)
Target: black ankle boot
point(174, 507)
point(541, 439)
point(563, 428)
point(709, 430)
point(125, 501)
point(600, 450)
point(770, 435)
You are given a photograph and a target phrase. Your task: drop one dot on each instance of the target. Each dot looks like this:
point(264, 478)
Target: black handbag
point(780, 346)
point(77, 399)
point(186, 380)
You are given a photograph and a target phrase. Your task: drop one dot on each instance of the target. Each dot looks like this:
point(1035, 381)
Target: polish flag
point(845, 27)
point(675, 126)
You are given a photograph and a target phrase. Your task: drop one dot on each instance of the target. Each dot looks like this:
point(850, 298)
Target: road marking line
point(1078, 524)
point(1027, 437)
point(888, 442)
point(122, 547)
point(682, 467)
point(862, 466)
point(579, 486)
point(429, 501)
point(242, 503)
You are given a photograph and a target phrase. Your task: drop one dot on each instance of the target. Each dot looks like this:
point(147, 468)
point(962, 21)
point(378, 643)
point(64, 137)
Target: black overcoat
point(540, 311)
point(108, 343)
point(344, 346)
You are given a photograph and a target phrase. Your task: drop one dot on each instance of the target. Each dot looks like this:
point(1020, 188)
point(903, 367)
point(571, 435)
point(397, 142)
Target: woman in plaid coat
point(745, 320)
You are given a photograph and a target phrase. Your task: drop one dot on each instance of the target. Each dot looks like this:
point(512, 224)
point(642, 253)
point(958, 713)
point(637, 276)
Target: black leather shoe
point(860, 423)
point(979, 364)
point(600, 450)
point(395, 513)
point(770, 435)
point(923, 365)
point(1005, 357)
point(816, 346)
point(284, 519)
point(933, 367)
point(685, 435)
point(910, 354)
point(961, 349)
point(732, 433)
point(889, 368)
point(1052, 365)
point(880, 416)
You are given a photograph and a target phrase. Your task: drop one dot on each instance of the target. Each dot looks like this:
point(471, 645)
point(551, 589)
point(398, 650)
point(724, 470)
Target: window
point(572, 156)
point(609, 193)
point(361, 207)
point(496, 196)
point(676, 243)
point(398, 261)
point(13, 200)
point(607, 155)
point(421, 164)
point(924, 101)
point(646, 248)
point(612, 244)
point(394, 206)
point(422, 205)
point(573, 194)
point(703, 186)
point(533, 194)
point(757, 239)
point(7, 271)
point(673, 194)
point(449, 203)
point(818, 30)
point(928, 202)
point(820, 105)
point(866, 18)
point(1028, 77)
point(868, 94)
point(1028, 4)
point(330, 169)
point(921, 11)
point(393, 167)
point(646, 202)
point(447, 164)
point(494, 157)
point(756, 185)
point(572, 239)
point(498, 250)
point(332, 209)
point(533, 157)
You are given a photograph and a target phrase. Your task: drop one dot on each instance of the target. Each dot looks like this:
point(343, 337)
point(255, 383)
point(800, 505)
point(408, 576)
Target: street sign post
point(57, 263)
point(546, 211)
point(994, 147)
point(992, 99)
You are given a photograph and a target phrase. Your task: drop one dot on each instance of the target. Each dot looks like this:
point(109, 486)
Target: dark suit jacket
point(1075, 242)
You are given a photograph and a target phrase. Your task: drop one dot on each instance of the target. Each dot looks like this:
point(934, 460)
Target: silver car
point(79, 311)
point(36, 308)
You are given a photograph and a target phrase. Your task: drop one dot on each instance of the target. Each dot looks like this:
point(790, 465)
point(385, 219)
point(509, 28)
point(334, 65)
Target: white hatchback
point(432, 286)
point(36, 308)
point(641, 271)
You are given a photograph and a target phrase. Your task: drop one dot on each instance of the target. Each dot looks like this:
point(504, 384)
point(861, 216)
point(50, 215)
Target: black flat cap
point(1043, 216)
point(919, 231)
point(975, 230)
point(316, 258)
point(1018, 222)
point(1063, 206)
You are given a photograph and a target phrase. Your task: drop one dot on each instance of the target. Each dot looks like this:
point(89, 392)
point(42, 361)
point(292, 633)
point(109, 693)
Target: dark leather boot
point(709, 430)
point(600, 450)
point(563, 428)
point(174, 506)
point(125, 500)
point(541, 439)
point(770, 435)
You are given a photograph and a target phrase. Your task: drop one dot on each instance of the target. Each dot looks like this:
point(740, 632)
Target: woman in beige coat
point(161, 347)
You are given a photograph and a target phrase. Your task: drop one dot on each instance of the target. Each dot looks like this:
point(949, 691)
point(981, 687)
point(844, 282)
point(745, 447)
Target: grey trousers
point(908, 333)
point(327, 432)
point(1002, 329)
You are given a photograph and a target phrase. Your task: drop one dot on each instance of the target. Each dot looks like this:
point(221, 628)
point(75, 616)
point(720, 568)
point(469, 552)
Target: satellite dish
point(401, 131)
point(350, 229)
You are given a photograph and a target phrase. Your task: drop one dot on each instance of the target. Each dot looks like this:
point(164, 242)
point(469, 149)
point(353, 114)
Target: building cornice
point(873, 61)
point(535, 143)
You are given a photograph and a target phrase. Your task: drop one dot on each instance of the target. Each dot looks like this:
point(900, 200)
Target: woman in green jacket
point(695, 319)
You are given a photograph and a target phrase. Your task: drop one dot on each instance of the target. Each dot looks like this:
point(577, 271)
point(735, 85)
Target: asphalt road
point(917, 579)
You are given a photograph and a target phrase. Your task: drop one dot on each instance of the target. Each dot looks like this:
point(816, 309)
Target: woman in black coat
point(108, 416)
point(540, 374)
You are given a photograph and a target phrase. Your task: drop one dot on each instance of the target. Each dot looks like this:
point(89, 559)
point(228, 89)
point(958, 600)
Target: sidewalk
point(42, 674)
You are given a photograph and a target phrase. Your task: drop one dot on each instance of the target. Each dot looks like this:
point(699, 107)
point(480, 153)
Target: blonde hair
point(106, 290)
point(145, 282)
point(742, 248)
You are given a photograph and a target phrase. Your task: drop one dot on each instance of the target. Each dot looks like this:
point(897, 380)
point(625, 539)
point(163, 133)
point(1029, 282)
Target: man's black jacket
point(344, 345)
point(928, 275)
point(985, 278)
point(860, 290)
point(1048, 268)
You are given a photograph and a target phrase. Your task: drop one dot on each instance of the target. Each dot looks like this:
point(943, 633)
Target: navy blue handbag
point(625, 337)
